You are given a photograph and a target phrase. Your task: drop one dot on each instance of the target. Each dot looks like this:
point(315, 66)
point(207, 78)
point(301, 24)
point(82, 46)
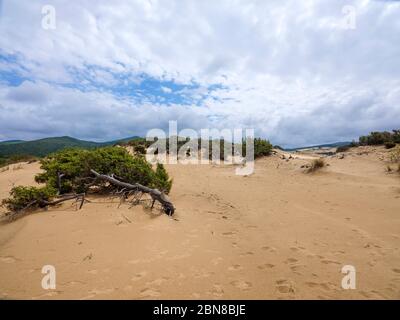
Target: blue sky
point(297, 72)
point(139, 87)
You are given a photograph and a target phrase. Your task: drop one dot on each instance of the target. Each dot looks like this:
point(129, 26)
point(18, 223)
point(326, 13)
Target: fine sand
point(279, 233)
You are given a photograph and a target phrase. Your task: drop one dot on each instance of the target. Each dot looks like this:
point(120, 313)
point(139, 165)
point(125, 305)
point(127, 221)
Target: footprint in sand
point(203, 274)
point(338, 252)
point(248, 253)
point(312, 284)
point(392, 288)
point(230, 233)
point(127, 288)
point(217, 290)
point(95, 292)
point(139, 276)
point(372, 294)
point(179, 256)
point(8, 259)
point(149, 293)
point(88, 257)
point(251, 227)
point(157, 282)
point(285, 286)
point(270, 249)
point(328, 286)
point(372, 263)
point(296, 267)
point(216, 261)
point(235, 267)
point(291, 260)
point(370, 245)
point(266, 266)
point(327, 261)
point(47, 294)
point(242, 285)
point(94, 271)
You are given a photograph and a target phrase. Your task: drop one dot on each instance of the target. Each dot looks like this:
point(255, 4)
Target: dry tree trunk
point(155, 194)
point(81, 196)
point(44, 204)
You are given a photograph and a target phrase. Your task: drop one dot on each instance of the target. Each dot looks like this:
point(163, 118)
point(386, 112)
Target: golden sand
point(277, 234)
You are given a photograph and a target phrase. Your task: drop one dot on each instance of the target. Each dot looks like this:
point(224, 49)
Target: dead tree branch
point(155, 194)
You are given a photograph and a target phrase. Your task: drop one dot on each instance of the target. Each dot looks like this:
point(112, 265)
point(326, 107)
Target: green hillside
point(3, 143)
point(45, 146)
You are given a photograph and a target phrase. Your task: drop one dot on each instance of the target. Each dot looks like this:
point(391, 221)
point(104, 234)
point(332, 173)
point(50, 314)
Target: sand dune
point(277, 234)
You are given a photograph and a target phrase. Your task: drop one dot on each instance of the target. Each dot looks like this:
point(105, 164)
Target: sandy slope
point(277, 234)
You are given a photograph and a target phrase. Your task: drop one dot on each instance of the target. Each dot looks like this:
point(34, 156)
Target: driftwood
point(155, 194)
point(40, 203)
point(125, 190)
point(80, 196)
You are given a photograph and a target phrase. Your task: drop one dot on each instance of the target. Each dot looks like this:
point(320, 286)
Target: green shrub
point(140, 149)
point(75, 165)
point(316, 164)
point(389, 144)
point(262, 148)
point(395, 155)
point(140, 145)
point(5, 161)
point(378, 138)
point(162, 182)
point(343, 148)
point(21, 197)
point(396, 136)
point(354, 144)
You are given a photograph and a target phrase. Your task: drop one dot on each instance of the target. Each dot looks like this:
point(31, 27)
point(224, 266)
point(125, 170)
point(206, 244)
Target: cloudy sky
point(298, 72)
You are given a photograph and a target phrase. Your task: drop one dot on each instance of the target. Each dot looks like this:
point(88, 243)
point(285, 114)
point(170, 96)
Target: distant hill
point(43, 147)
point(327, 145)
point(2, 143)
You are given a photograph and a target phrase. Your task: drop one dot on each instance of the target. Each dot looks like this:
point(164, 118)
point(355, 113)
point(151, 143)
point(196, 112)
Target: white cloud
point(287, 68)
point(166, 89)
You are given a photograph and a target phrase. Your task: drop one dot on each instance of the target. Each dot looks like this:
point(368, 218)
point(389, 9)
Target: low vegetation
point(380, 138)
point(46, 146)
point(70, 172)
point(316, 165)
point(343, 148)
point(395, 155)
point(6, 161)
point(262, 147)
point(33, 197)
point(389, 144)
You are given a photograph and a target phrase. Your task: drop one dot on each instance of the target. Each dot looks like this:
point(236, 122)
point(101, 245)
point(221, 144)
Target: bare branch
point(155, 194)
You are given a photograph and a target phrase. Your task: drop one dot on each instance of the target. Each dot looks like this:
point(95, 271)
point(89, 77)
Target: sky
point(297, 72)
